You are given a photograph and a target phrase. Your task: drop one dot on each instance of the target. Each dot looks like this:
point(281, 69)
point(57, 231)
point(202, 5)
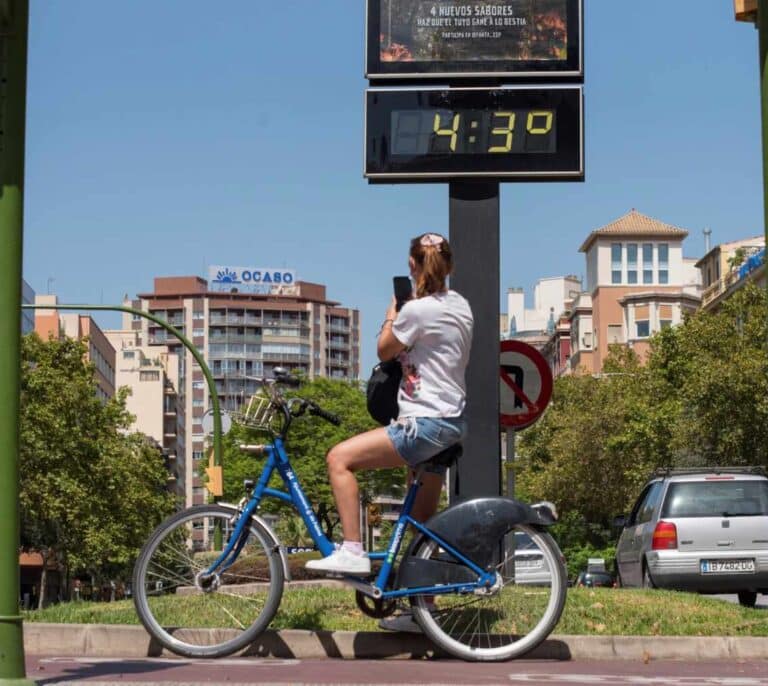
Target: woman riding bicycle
point(431, 336)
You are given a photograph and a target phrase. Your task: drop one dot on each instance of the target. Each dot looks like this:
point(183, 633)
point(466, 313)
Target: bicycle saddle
point(446, 457)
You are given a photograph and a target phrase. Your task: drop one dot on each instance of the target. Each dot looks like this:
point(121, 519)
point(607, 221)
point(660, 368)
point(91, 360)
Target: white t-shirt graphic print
point(437, 333)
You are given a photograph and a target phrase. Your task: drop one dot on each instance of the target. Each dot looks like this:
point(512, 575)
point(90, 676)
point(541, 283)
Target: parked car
point(530, 566)
point(700, 530)
point(595, 580)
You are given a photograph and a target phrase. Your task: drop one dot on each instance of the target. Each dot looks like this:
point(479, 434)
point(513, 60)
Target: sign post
point(452, 100)
point(13, 71)
point(524, 392)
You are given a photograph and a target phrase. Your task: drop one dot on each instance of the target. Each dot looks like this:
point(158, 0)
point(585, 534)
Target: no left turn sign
point(526, 384)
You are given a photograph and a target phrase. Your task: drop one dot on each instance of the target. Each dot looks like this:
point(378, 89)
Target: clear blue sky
point(166, 136)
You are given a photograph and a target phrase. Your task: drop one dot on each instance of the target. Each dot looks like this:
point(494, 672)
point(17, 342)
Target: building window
point(587, 340)
point(643, 328)
point(615, 262)
point(663, 263)
point(149, 376)
point(647, 262)
point(665, 324)
point(631, 263)
point(128, 354)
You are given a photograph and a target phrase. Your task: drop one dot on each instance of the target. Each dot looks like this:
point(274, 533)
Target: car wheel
point(647, 581)
point(747, 598)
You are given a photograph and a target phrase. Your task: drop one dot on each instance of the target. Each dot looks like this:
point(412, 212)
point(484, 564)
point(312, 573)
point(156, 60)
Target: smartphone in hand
point(403, 290)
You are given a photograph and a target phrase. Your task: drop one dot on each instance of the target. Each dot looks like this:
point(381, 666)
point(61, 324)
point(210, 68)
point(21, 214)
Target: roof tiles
point(634, 224)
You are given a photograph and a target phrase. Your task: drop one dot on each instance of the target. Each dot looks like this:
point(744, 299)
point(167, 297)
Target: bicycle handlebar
point(315, 409)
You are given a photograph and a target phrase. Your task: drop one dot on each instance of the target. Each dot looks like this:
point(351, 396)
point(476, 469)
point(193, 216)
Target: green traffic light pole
point(14, 19)
point(762, 28)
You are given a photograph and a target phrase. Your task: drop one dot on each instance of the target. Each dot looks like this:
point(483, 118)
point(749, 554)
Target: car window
point(631, 520)
point(716, 499)
point(524, 542)
point(645, 511)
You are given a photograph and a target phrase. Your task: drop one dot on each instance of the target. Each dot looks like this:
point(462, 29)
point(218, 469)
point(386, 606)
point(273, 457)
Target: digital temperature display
point(521, 133)
point(467, 132)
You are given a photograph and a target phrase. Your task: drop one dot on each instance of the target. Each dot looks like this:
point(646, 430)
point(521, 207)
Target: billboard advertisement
point(455, 38)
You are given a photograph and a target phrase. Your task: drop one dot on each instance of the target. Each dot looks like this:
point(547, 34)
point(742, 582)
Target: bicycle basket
point(257, 413)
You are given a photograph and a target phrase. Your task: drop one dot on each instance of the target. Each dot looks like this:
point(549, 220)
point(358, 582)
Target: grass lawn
point(588, 611)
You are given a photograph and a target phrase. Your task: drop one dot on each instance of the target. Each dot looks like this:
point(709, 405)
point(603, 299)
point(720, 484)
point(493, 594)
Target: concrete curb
point(102, 640)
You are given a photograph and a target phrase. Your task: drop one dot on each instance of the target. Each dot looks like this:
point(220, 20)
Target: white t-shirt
point(437, 333)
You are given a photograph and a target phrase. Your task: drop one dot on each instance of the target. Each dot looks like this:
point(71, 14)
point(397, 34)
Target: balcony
point(235, 338)
point(338, 344)
point(751, 264)
point(229, 320)
point(286, 358)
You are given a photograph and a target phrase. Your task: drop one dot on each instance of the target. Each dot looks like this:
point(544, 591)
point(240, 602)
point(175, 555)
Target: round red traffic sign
point(526, 384)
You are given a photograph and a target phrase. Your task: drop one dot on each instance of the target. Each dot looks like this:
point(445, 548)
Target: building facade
point(50, 323)
point(243, 335)
point(728, 266)
point(550, 297)
point(638, 282)
point(152, 375)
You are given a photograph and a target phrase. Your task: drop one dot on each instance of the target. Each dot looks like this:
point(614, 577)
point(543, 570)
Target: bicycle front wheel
point(510, 619)
point(198, 615)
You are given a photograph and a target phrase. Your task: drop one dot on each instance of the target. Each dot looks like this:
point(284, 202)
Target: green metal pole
point(762, 28)
point(14, 15)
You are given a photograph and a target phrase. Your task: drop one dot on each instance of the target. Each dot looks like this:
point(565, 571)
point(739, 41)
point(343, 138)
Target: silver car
point(530, 566)
point(704, 531)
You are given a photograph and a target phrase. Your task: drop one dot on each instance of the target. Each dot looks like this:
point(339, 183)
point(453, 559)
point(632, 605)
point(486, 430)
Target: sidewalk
point(101, 640)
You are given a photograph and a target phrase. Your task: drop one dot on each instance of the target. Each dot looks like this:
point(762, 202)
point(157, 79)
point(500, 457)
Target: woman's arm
point(388, 346)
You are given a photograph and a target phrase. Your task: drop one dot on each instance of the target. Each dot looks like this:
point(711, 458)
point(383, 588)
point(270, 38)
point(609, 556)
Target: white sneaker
point(341, 562)
point(403, 622)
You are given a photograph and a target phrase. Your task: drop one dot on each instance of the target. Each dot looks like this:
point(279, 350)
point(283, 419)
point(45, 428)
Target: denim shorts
point(417, 439)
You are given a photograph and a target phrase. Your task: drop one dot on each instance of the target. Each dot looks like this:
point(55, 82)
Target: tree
point(309, 440)
point(701, 399)
point(716, 368)
point(90, 493)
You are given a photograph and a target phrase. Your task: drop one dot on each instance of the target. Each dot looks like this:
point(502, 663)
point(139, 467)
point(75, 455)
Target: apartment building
point(246, 322)
point(728, 266)
point(152, 374)
point(638, 282)
point(550, 296)
point(52, 323)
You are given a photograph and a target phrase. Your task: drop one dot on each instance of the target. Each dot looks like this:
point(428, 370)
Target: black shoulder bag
point(381, 391)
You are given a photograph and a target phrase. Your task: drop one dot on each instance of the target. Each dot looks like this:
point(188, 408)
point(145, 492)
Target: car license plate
point(728, 566)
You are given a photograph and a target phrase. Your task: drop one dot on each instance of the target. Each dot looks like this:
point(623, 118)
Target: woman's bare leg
point(370, 450)
point(428, 497)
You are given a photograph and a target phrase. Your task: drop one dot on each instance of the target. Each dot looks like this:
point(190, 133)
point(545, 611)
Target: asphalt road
point(48, 671)
point(762, 600)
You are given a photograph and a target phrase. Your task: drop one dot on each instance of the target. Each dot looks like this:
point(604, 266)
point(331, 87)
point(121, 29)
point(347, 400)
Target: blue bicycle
point(484, 579)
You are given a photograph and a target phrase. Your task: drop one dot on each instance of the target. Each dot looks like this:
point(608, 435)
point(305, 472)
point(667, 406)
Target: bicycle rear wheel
point(514, 617)
point(196, 616)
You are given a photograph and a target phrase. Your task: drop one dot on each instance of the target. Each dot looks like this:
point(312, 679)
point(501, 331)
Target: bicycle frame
point(277, 459)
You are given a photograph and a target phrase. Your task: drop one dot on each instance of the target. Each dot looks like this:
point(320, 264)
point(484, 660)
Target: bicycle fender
point(475, 527)
point(272, 537)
